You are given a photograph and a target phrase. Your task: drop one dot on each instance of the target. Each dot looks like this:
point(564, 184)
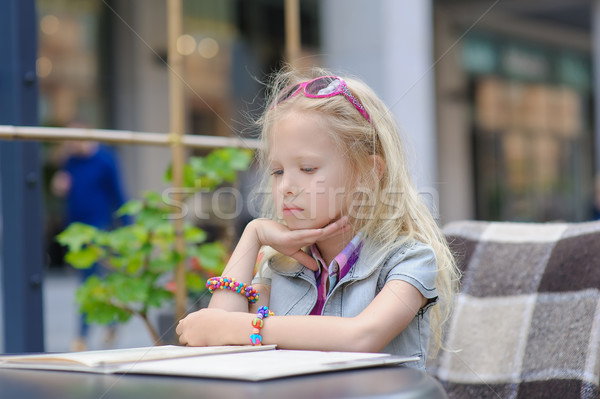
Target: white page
point(257, 366)
point(117, 356)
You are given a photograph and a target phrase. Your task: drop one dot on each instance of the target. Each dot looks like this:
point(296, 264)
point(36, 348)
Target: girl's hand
point(290, 242)
point(210, 327)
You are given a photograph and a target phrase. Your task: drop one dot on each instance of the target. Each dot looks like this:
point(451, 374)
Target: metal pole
point(596, 73)
point(21, 265)
point(177, 110)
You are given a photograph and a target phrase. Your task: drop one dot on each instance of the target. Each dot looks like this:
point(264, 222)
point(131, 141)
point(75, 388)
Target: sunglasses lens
point(323, 87)
point(288, 93)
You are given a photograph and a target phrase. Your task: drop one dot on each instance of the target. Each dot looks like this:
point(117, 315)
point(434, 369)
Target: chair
point(527, 319)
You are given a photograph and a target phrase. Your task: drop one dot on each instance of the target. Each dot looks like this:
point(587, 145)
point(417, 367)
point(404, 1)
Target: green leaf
point(92, 288)
point(241, 158)
point(94, 299)
point(127, 239)
point(83, 258)
point(164, 235)
point(162, 264)
point(220, 166)
point(211, 256)
point(165, 229)
point(129, 289)
point(104, 313)
point(197, 165)
point(117, 262)
point(189, 176)
point(158, 296)
point(134, 262)
point(153, 199)
point(193, 234)
point(227, 175)
point(140, 233)
point(150, 218)
point(176, 256)
point(132, 207)
point(102, 238)
point(207, 183)
point(216, 166)
point(76, 235)
point(194, 282)
point(168, 176)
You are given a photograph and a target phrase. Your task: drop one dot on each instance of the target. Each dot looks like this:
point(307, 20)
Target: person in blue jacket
point(91, 184)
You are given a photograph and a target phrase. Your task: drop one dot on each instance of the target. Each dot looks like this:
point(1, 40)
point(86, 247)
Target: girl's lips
point(291, 209)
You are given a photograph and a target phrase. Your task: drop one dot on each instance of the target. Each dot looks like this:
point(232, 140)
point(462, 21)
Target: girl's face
point(308, 171)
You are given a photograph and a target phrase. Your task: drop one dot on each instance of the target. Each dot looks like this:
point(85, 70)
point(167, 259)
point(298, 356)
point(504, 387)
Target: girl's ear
point(378, 165)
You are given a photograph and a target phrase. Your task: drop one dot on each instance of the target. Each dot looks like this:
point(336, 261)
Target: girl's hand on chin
point(290, 242)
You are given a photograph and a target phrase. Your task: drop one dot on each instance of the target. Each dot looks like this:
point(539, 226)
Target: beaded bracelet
point(258, 323)
point(228, 283)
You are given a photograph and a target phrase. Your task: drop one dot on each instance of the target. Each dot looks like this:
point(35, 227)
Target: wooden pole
point(10, 132)
point(292, 32)
point(177, 119)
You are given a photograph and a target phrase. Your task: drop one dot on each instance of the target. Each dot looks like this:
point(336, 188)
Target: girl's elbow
point(369, 345)
point(368, 340)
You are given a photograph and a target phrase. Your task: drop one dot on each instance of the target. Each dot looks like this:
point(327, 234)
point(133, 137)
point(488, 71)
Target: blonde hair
point(394, 212)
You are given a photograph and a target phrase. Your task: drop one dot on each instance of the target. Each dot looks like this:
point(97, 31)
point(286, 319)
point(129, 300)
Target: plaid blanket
point(527, 320)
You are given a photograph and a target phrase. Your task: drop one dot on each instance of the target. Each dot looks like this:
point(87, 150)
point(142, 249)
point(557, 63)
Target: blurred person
point(89, 180)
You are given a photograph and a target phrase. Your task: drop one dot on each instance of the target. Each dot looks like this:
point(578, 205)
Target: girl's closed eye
point(308, 169)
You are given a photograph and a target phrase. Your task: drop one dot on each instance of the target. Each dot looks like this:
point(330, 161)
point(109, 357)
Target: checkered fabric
point(527, 320)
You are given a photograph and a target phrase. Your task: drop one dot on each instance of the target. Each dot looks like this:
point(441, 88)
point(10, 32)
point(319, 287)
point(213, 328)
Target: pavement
point(61, 318)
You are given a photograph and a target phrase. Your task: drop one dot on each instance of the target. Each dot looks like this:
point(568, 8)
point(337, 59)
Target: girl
point(352, 259)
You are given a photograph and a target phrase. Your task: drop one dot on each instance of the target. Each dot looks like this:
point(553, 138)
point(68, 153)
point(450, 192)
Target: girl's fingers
point(291, 242)
point(332, 228)
point(339, 226)
point(182, 337)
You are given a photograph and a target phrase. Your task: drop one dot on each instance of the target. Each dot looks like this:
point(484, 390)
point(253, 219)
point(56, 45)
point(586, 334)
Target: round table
point(380, 382)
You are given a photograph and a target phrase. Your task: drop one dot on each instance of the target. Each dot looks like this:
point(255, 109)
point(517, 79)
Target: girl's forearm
point(327, 333)
point(387, 315)
point(241, 268)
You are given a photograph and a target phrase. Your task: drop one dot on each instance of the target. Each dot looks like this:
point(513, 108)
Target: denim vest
point(294, 290)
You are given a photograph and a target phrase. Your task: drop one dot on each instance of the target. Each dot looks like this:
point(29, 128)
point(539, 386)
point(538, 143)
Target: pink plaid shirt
point(339, 267)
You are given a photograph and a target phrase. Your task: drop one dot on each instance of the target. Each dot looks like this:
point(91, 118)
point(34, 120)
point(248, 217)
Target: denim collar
point(369, 260)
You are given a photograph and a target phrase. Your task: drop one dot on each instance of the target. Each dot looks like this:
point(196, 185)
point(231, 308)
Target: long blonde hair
point(394, 212)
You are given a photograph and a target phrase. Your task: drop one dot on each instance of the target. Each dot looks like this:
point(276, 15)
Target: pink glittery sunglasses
point(324, 87)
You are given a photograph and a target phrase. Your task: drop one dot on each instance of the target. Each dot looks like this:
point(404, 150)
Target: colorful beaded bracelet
point(258, 323)
point(227, 283)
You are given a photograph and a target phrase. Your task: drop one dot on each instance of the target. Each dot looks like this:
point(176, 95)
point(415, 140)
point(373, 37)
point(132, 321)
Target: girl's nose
point(288, 185)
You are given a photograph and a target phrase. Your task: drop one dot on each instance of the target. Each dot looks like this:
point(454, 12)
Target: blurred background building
point(515, 100)
point(496, 99)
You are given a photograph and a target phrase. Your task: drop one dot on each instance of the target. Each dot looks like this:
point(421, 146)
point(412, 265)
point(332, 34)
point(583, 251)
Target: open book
point(230, 362)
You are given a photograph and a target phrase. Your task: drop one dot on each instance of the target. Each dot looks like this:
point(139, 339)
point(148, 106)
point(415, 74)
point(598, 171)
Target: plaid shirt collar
point(337, 269)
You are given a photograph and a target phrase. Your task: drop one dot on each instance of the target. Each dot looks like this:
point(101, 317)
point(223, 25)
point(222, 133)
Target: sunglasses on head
point(324, 87)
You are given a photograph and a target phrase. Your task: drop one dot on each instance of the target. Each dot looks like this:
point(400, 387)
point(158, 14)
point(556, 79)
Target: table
point(381, 382)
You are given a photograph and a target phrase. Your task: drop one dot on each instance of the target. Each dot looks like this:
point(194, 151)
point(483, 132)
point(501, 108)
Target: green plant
point(141, 257)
